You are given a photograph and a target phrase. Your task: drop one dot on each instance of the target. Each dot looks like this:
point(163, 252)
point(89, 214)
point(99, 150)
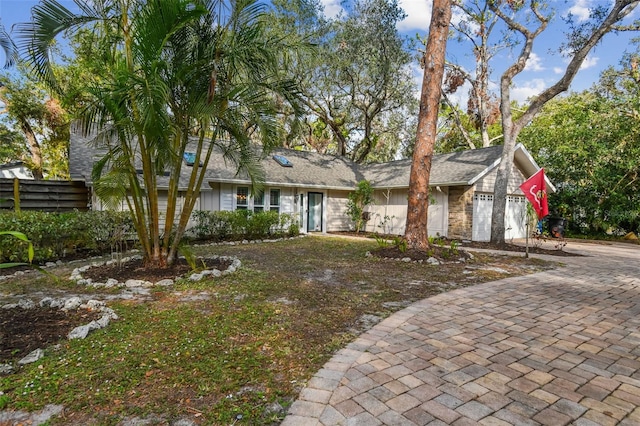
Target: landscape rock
point(433, 261)
point(83, 331)
point(24, 418)
point(111, 282)
point(72, 303)
point(165, 283)
point(135, 283)
point(6, 368)
point(32, 357)
point(196, 277)
point(26, 304)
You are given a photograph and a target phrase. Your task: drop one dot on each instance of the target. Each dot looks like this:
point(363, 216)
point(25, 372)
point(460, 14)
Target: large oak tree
point(528, 21)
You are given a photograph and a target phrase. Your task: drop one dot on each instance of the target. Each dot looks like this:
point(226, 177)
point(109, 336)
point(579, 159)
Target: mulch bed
point(446, 243)
point(136, 269)
point(25, 330)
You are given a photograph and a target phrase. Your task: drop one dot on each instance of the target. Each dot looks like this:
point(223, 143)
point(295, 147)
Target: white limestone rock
point(32, 357)
point(72, 303)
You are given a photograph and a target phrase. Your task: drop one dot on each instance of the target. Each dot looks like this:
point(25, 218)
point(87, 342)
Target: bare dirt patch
point(25, 330)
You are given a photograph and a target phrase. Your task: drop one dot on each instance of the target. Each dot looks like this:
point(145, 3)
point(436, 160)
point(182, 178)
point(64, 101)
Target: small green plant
point(386, 224)
point(358, 200)
point(4, 401)
point(400, 243)
point(453, 247)
point(381, 241)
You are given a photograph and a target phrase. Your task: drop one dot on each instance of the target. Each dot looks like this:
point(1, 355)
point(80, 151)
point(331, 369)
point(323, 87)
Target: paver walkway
point(553, 348)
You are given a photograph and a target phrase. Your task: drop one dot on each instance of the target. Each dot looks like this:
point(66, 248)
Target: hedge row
point(58, 235)
point(243, 224)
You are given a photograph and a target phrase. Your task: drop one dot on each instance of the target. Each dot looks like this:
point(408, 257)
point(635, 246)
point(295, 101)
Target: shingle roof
point(455, 168)
point(310, 169)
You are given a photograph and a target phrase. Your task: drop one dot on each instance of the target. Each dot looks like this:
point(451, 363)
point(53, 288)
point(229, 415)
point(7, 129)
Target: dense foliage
point(176, 77)
point(589, 147)
point(57, 235)
point(356, 203)
point(356, 83)
point(243, 224)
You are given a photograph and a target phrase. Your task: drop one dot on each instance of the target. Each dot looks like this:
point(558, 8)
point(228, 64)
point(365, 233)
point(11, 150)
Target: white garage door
point(514, 219)
point(437, 221)
point(482, 207)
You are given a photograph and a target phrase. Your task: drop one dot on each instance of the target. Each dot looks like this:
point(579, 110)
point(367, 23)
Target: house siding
point(210, 199)
point(336, 216)
point(388, 213)
point(389, 204)
point(487, 183)
point(460, 212)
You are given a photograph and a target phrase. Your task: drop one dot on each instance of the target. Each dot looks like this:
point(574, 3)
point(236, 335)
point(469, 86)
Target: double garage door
point(514, 218)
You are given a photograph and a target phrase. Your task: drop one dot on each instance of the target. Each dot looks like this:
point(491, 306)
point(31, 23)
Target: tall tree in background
point(356, 84)
point(475, 27)
point(433, 62)
point(175, 69)
point(42, 122)
point(590, 143)
point(529, 21)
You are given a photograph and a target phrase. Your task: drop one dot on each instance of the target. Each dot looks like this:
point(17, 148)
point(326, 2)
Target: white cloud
point(558, 70)
point(589, 62)
point(580, 10)
point(534, 63)
point(522, 92)
point(418, 15)
point(332, 8)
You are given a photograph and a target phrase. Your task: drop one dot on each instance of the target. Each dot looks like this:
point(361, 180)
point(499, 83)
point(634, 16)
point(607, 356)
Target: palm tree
point(200, 73)
point(9, 48)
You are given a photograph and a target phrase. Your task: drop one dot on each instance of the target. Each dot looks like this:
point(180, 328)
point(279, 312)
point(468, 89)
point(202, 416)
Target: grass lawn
point(242, 344)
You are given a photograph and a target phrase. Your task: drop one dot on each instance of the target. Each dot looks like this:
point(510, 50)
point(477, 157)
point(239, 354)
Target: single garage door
point(514, 219)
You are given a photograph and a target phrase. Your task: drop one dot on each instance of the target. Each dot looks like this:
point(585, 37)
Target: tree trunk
point(34, 148)
point(510, 128)
point(434, 58)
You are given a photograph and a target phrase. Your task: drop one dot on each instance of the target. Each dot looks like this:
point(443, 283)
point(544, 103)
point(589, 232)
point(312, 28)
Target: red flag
point(535, 189)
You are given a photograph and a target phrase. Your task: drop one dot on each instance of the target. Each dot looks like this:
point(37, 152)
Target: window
point(274, 200)
point(258, 202)
point(242, 198)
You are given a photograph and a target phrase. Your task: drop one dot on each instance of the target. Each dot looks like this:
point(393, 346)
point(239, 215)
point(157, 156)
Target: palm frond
point(9, 47)
point(49, 19)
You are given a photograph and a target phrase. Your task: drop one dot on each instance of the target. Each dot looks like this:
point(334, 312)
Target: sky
point(543, 69)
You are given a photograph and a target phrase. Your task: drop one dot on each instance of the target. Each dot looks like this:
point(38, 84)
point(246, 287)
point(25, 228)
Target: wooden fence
point(44, 195)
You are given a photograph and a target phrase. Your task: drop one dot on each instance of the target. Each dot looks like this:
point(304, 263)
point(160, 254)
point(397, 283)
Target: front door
point(314, 212)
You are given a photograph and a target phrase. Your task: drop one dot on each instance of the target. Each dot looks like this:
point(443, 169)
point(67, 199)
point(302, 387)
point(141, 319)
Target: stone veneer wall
point(460, 212)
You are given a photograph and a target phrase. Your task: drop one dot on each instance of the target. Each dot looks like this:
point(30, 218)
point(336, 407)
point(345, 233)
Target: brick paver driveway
point(553, 348)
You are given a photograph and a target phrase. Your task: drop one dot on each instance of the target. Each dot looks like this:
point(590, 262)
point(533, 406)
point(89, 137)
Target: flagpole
point(526, 239)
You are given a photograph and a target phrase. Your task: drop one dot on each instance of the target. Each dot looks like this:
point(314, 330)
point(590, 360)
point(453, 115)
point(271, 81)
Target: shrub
point(55, 235)
point(358, 200)
point(242, 224)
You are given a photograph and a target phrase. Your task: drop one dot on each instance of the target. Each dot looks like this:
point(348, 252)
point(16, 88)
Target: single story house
point(314, 189)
